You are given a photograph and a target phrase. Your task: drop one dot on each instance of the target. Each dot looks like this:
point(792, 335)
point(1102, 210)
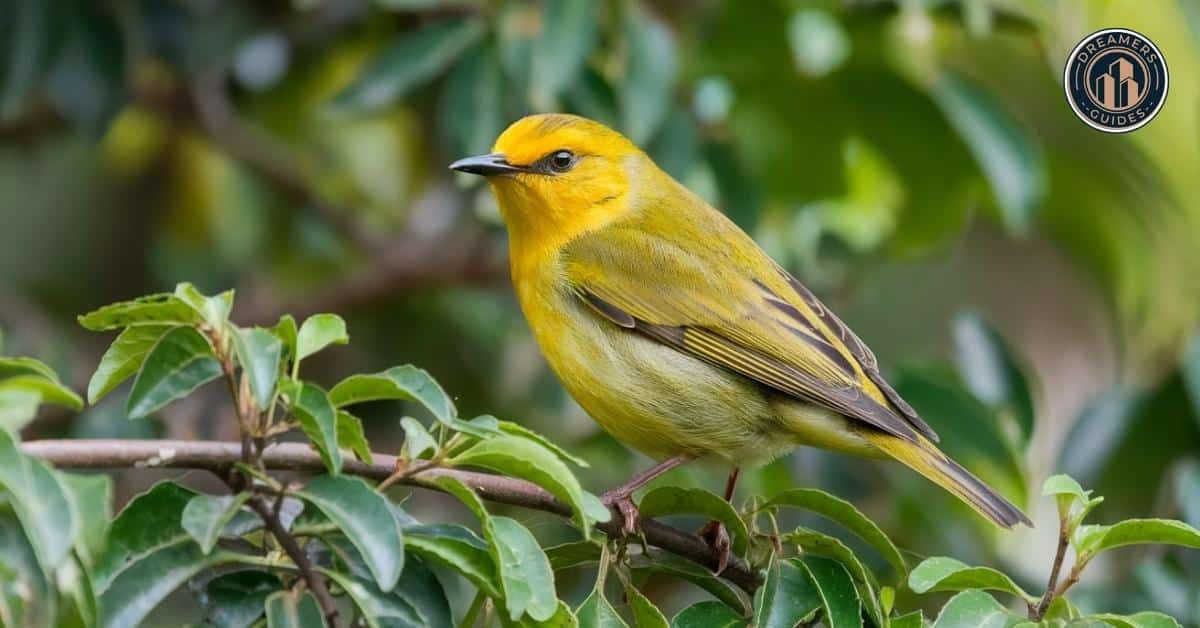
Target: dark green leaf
point(459, 549)
point(320, 331)
point(573, 554)
point(350, 436)
point(156, 309)
point(123, 358)
point(786, 598)
point(407, 383)
point(646, 92)
point(205, 516)
point(673, 566)
point(710, 614)
point(318, 419)
point(180, 362)
point(1091, 540)
point(26, 594)
point(287, 609)
point(975, 609)
point(838, 595)
point(992, 371)
point(844, 513)
point(235, 600)
point(672, 500)
point(417, 600)
point(472, 111)
point(150, 520)
point(567, 36)
point(408, 62)
point(366, 519)
point(259, 352)
point(525, 574)
point(41, 503)
point(645, 613)
point(915, 619)
point(1008, 154)
point(596, 612)
point(149, 578)
point(528, 460)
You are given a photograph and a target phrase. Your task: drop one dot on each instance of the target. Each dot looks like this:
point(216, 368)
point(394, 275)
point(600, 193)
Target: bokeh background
point(1031, 285)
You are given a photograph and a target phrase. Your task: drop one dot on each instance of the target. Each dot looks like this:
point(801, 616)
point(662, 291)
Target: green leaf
point(709, 614)
point(285, 331)
point(90, 498)
point(148, 556)
point(205, 516)
point(1145, 619)
point(235, 600)
point(1005, 150)
point(787, 596)
point(676, 567)
point(259, 352)
point(992, 371)
point(672, 500)
point(417, 440)
point(470, 113)
point(568, 34)
point(465, 494)
point(155, 309)
point(350, 436)
point(287, 609)
point(645, 613)
point(320, 331)
point(17, 408)
point(915, 619)
point(411, 60)
point(947, 574)
point(596, 612)
point(416, 600)
point(317, 418)
point(123, 358)
point(525, 459)
point(41, 503)
point(646, 92)
point(366, 518)
point(815, 542)
point(457, 548)
point(213, 310)
point(20, 365)
point(843, 608)
point(525, 574)
point(563, 618)
point(407, 383)
point(975, 609)
point(180, 362)
point(50, 390)
point(1068, 492)
point(1091, 540)
point(844, 513)
point(26, 593)
point(516, 429)
point(574, 554)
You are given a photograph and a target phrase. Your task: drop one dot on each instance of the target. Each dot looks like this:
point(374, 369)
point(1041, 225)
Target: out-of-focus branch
point(218, 457)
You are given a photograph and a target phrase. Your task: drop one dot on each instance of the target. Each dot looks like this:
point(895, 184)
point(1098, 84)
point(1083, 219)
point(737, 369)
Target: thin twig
point(292, 548)
point(219, 457)
point(1064, 539)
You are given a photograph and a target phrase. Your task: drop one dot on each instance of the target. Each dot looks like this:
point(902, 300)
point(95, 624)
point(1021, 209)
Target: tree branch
point(218, 457)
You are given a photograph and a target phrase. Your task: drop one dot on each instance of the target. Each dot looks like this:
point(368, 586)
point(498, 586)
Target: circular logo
point(1116, 80)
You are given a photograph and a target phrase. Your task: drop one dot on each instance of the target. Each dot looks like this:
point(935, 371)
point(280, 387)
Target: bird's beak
point(486, 165)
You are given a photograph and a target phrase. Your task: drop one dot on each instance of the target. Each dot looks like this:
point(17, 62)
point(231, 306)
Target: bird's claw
point(717, 537)
point(630, 518)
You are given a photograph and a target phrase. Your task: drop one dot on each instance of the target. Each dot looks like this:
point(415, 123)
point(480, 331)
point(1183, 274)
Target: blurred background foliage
point(1030, 284)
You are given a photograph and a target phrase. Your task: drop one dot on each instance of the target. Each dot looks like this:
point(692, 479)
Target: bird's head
point(556, 175)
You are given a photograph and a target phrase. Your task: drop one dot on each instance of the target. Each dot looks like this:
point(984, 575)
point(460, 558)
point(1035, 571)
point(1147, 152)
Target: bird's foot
point(717, 537)
point(623, 502)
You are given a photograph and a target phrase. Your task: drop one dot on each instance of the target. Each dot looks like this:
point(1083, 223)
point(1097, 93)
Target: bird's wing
point(730, 305)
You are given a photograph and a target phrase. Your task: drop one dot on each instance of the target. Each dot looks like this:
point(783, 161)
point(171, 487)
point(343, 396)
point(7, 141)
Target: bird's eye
point(561, 161)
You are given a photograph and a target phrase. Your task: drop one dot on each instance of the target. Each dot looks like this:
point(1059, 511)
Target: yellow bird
point(675, 331)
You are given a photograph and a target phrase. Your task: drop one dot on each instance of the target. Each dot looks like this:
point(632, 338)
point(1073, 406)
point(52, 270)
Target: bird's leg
point(714, 532)
point(622, 496)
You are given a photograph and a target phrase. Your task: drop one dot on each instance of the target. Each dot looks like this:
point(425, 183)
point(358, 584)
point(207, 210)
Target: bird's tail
point(925, 458)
